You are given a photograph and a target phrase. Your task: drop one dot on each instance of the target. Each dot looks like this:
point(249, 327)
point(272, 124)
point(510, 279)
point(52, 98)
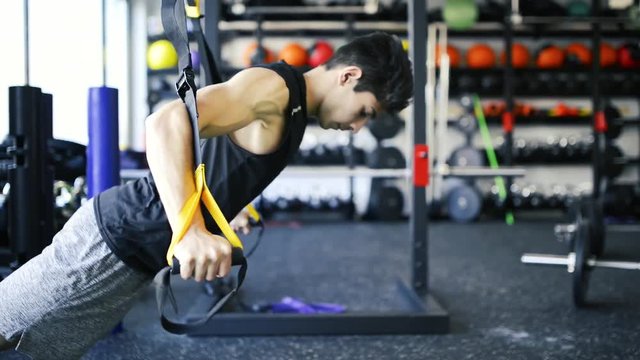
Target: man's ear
point(350, 73)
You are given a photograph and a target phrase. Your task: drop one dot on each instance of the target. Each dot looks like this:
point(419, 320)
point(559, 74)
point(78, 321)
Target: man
point(67, 298)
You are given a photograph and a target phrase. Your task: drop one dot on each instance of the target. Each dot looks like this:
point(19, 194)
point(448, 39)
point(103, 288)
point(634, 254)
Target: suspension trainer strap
point(212, 76)
point(174, 22)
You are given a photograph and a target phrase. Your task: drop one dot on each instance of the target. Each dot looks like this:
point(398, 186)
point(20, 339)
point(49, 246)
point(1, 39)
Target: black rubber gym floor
point(499, 308)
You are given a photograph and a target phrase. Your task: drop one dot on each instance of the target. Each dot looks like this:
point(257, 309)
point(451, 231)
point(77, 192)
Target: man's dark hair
point(386, 69)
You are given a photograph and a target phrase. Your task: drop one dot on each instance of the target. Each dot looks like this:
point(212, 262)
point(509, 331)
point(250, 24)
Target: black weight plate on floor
point(464, 203)
point(386, 203)
point(582, 251)
point(592, 210)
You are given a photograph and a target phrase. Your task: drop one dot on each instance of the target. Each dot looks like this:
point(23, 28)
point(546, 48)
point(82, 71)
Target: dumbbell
point(556, 196)
point(494, 199)
point(533, 151)
point(584, 146)
point(356, 155)
point(516, 196)
point(467, 83)
point(384, 157)
point(571, 149)
point(550, 83)
point(490, 83)
point(532, 198)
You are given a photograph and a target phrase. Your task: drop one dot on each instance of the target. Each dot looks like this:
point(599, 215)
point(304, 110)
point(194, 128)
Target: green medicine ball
point(578, 8)
point(460, 14)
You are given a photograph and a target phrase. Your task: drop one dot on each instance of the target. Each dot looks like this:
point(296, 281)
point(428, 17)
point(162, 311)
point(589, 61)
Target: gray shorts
point(70, 296)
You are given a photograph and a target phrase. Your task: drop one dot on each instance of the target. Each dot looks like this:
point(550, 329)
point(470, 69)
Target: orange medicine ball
point(251, 56)
point(550, 57)
point(480, 56)
point(519, 56)
point(294, 55)
point(578, 54)
point(454, 56)
point(608, 55)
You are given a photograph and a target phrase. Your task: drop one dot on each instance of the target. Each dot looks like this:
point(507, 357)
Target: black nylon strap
point(211, 73)
point(174, 23)
point(163, 290)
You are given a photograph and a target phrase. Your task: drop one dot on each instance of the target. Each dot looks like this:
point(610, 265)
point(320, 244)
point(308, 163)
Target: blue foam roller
point(103, 154)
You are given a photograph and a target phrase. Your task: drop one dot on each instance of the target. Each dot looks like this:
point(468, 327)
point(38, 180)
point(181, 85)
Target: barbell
point(581, 260)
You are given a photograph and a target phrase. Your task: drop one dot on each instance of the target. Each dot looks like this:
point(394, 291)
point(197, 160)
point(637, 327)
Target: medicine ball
point(454, 56)
point(320, 53)
point(550, 57)
point(294, 54)
point(253, 55)
point(161, 55)
point(460, 14)
point(578, 8)
point(608, 55)
point(629, 56)
point(519, 56)
point(578, 54)
point(480, 56)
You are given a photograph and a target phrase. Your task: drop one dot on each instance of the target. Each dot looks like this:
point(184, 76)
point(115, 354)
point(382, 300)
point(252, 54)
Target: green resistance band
point(491, 155)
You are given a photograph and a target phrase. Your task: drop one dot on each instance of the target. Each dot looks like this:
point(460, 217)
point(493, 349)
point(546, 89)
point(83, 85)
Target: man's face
point(346, 109)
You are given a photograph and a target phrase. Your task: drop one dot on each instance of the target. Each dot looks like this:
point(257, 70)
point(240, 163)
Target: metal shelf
point(328, 27)
point(545, 120)
point(307, 171)
point(484, 29)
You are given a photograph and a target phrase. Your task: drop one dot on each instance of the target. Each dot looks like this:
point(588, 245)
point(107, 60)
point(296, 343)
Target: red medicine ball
point(320, 53)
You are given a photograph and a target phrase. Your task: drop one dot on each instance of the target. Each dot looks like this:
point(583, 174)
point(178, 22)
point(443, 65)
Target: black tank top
point(132, 219)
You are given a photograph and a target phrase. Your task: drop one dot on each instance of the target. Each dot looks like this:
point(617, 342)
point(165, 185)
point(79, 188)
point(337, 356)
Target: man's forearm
point(170, 157)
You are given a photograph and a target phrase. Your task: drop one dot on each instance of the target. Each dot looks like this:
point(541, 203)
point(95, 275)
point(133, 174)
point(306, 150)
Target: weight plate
point(467, 124)
point(466, 156)
point(613, 161)
point(464, 203)
point(385, 126)
point(582, 251)
point(386, 203)
point(593, 212)
point(386, 158)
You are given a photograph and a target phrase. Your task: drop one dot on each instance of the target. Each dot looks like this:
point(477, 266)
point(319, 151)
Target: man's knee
point(6, 344)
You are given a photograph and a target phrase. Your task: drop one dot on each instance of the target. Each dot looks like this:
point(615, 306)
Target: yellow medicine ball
point(161, 55)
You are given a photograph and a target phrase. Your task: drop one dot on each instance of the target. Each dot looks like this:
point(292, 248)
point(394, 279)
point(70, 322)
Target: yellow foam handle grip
point(193, 11)
point(189, 209)
point(255, 215)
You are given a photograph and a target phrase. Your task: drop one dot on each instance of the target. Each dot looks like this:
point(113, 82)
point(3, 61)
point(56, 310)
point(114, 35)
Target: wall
point(65, 59)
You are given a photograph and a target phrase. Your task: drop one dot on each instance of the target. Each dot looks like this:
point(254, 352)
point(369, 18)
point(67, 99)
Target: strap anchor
point(186, 82)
